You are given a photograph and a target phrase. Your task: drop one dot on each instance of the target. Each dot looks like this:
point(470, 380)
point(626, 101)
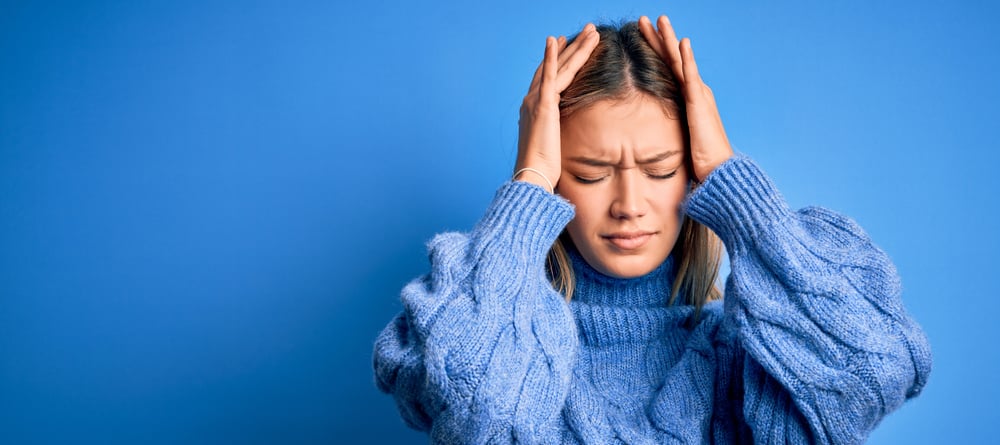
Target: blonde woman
point(582, 307)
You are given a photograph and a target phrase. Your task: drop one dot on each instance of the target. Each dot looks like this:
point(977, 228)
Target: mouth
point(629, 240)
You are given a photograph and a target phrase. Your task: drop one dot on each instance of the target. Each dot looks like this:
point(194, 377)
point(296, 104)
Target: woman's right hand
point(538, 145)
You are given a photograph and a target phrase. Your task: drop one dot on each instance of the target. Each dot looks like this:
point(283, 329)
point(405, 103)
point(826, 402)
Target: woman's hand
point(538, 144)
point(709, 144)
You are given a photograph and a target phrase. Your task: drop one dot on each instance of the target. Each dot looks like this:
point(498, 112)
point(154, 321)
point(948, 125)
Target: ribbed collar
point(612, 311)
point(596, 288)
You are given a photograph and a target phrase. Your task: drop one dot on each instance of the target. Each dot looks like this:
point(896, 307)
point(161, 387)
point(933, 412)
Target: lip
point(629, 240)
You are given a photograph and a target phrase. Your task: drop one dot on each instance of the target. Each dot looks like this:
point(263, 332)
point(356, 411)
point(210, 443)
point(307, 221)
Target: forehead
point(637, 127)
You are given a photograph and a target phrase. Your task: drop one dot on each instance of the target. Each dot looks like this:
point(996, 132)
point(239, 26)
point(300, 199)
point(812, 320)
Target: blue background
point(208, 209)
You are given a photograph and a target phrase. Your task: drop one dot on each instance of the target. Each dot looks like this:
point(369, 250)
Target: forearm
point(817, 305)
point(484, 331)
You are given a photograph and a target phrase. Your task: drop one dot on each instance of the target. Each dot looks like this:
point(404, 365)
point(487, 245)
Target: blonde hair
point(622, 66)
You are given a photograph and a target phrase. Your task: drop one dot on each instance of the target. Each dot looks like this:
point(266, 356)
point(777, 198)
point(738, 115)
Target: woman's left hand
point(709, 144)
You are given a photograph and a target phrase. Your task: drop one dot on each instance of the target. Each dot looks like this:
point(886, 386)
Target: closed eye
point(586, 180)
point(583, 180)
point(666, 176)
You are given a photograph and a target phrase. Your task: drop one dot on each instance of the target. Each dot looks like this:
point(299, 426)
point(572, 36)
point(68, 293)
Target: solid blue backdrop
point(208, 209)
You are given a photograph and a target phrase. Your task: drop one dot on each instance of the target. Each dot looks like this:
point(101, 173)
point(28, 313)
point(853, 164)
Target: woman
point(582, 308)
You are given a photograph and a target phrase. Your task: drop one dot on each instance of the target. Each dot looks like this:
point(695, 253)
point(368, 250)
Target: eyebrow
point(601, 163)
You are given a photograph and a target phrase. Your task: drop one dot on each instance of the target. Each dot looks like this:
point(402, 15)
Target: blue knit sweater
point(811, 344)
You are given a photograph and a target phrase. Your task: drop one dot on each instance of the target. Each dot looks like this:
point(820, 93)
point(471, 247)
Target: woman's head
point(623, 169)
point(626, 168)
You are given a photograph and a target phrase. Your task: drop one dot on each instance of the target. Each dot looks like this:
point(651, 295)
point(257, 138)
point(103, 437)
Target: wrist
point(550, 170)
point(534, 176)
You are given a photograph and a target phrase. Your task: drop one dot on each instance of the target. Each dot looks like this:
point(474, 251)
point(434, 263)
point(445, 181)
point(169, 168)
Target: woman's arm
point(483, 350)
point(830, 349)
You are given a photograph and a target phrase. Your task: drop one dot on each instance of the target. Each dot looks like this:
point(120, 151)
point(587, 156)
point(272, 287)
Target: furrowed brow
point(592, 161)
point(602, 163)
point(659, 157)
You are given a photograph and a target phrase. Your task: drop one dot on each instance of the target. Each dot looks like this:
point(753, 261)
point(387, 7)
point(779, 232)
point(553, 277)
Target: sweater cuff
point(737, 201)
point(523, 219)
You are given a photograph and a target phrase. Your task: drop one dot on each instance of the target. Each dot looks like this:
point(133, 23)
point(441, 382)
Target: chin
point(628, 267)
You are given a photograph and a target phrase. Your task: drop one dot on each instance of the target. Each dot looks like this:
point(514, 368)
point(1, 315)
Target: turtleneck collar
point(596, 288)
point(613, 310)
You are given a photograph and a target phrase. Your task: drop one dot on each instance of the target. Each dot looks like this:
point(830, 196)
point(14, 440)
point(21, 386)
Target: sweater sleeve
point(830, 348)
point(484, 347)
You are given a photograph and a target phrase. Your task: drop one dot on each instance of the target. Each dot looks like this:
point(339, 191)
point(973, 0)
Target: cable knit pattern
point(812, 343)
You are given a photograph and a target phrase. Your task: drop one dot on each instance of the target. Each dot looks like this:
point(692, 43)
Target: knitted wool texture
point(811, 344)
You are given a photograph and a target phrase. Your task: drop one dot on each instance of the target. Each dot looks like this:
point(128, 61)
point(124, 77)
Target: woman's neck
point(593, 287)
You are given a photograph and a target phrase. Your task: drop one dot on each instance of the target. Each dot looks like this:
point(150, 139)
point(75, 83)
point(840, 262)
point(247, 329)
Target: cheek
point(574, 193)
point(668, 202)
point(672, 192)
point(586, 209)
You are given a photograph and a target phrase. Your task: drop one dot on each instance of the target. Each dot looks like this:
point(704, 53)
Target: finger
point(646, 28)
point(538, 71)
point(578, 41)
point(561, 44)
point(550, 67)
point(690, 67)
point(566, 50)
point(669, 39)
point(568, 71)
point(538, 74)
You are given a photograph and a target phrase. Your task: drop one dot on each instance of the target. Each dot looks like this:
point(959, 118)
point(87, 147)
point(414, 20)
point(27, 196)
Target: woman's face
point(623, 169)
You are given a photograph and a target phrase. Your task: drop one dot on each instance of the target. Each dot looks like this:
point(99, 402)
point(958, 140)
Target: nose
point(628, 202)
